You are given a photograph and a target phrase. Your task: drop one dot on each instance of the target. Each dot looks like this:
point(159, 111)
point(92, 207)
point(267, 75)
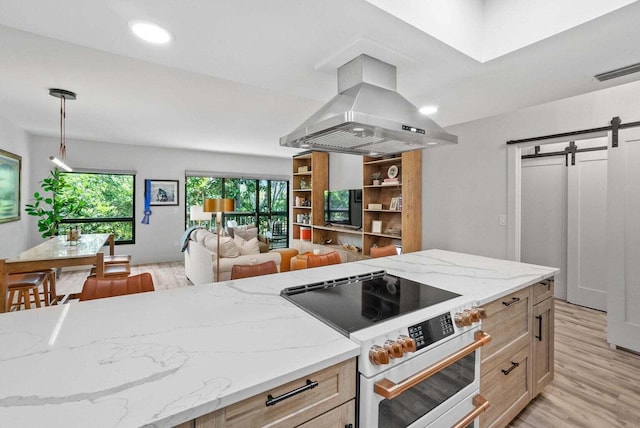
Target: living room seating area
point(241, 247)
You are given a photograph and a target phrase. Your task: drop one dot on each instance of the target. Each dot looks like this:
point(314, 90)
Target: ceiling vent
point(622, 71)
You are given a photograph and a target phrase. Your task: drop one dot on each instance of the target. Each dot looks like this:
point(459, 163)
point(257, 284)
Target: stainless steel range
point(419, 363)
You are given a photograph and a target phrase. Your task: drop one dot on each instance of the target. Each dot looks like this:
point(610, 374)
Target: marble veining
point(159, 359)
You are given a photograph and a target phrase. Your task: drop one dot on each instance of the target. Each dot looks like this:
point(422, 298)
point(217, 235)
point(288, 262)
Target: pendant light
point(64, 95)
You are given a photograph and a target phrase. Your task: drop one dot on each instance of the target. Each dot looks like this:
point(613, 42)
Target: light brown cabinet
point(328, 403)
point(543, 337)
point(397, 218)
point(516, 365)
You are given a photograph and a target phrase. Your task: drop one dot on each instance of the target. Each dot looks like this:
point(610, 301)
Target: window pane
point(279, 191)
point(254, 203)
point(103, 195)
point(106, 204)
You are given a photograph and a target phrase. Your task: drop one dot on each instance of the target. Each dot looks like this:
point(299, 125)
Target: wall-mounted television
point(343, 208)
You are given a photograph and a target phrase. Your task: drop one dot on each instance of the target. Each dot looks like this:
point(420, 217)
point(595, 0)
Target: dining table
point(57, 252)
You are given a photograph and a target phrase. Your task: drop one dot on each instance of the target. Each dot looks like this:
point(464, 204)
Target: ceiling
point(241, 74)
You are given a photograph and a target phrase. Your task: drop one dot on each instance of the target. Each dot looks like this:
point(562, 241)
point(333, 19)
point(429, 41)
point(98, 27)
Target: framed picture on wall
point(164, 192)
point(10, 171)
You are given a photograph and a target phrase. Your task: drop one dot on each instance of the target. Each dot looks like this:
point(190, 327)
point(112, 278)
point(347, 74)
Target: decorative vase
point(376, 182)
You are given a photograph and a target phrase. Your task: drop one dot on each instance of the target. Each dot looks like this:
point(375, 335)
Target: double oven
point(419, 363)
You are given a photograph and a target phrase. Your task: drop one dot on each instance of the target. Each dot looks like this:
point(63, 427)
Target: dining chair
point(246, 271)
point(316, 260)
point(98, 288)
point(387, 250)
point(109, 270)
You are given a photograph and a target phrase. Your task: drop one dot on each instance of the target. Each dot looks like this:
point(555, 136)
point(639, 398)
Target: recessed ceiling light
point(358, 129)
point(150, 32)
point(432, 143)
point(429, 110)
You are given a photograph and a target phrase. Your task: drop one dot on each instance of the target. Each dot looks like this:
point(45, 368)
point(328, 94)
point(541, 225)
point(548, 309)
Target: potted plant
point(52, 209)
point(376, 176)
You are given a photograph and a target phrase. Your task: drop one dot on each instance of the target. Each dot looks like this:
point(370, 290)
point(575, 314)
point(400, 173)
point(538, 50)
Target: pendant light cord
point(63, 147)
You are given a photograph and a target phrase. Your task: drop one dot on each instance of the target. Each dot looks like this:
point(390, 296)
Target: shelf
point(383, 235)
point(301, 190)
point(302, 173)
point(383, 161)
point(383, 211)
point(302, 224)
point(377, 186)
point(304, 208)
point(339, 229)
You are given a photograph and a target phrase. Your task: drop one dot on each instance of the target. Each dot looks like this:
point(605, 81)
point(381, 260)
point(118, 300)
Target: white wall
point(345, 171)
point(159, 240)
point(13, 236)
point(465, 186)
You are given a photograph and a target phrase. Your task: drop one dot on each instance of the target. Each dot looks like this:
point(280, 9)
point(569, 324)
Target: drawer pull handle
point(480, 405)
point(539, 336)
point(272, 401)
point(390, 390)
point(513, 300)
point(510, 369)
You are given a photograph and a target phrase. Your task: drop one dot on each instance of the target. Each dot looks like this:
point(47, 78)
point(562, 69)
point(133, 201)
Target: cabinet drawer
point(507, 389)
point(336, 385)
point(342, 416)
point(542, 290)
point(509, 324)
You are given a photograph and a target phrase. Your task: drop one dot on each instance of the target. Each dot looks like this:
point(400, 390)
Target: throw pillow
point(246, 234)
point(228, 248)
point(246, 247)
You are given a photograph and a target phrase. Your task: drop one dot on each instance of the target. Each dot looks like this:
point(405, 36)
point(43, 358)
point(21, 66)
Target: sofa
point(243, 249)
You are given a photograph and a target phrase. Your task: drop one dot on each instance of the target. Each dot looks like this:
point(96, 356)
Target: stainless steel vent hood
point(367, 117)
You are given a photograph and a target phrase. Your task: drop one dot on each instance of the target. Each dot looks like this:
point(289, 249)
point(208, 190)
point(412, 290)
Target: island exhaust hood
point(367, 117)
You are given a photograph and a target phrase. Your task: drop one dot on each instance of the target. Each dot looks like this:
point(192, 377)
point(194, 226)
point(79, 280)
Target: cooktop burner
point(353, 303)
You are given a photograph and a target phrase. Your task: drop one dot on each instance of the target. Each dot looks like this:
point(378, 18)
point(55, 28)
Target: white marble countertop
point(159, 359)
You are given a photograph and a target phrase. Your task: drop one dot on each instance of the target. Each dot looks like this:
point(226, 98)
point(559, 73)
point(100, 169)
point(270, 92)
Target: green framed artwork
point(10, 170)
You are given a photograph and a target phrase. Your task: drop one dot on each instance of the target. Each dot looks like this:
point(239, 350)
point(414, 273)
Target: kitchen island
point(167, 357)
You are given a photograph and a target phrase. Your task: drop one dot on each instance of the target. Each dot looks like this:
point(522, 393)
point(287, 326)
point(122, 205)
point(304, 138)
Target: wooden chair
point(109, 270)
point(23, 283)
point(387, 250)
point(246, 271)
point(316, 260)
point(96, 288)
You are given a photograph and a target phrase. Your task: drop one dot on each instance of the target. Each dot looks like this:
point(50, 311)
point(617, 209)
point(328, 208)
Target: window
point(263, 203)
point(107, 204)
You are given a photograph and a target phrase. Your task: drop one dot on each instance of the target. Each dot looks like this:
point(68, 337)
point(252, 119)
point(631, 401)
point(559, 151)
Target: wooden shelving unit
point(401, 226)
point(309, 186)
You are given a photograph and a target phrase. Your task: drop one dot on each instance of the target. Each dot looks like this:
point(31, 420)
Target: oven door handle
point(480, 405)
point(389, 389)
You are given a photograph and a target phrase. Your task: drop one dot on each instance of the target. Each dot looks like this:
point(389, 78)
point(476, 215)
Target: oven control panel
point(422, 335)
point(432, 330)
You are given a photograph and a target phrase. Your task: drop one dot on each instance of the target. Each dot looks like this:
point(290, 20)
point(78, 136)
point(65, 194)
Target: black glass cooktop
point(353, 303)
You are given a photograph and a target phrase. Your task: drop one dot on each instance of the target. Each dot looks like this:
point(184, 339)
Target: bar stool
point(22, 284)
point(49, 296)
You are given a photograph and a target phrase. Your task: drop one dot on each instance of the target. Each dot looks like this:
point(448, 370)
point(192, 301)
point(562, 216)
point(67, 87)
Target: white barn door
point(544, 214)
point(587, 230)
point(623, 297)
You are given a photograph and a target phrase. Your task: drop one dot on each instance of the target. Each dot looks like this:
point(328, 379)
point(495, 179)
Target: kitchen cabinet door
point(543, 322)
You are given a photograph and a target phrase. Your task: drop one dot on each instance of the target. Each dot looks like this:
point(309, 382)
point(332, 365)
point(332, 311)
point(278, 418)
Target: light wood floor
point(165, 276)
point(594, 386)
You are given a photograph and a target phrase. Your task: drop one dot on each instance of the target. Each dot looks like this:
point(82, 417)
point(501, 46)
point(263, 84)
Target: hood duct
point(367, 117)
